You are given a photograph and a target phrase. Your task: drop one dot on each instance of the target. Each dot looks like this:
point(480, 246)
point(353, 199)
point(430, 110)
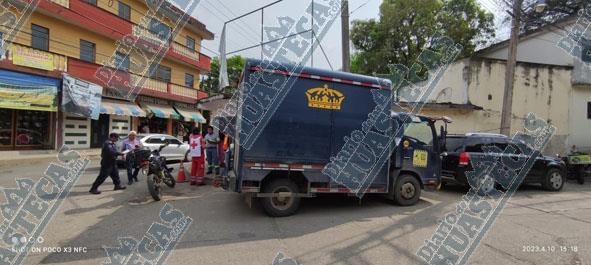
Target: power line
point(221, 13)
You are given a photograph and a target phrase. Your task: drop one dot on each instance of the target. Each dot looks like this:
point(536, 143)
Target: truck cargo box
point(308, 127)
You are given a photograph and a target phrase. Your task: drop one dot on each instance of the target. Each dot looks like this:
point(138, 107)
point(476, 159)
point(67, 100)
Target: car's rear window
point(454, 144)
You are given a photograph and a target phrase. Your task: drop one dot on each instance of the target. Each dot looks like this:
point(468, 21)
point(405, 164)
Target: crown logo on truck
point(325, 98)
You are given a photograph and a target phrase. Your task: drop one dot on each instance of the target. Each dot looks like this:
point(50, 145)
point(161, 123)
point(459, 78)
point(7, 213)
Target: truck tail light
point(464, 159)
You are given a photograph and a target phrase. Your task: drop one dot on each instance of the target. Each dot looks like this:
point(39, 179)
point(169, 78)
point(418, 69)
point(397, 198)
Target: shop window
point(160, 29)
point(39, 37)
point(189, 80)
point(122, 61)
point(87, 51)
point(124, 11)
point(589, 110)
point(5, 127)
point(190, 43)
point(32, 128)
point(160, 72)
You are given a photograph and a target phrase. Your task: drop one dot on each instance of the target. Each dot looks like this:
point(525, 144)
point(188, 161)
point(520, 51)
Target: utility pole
point(506, 114)
point(345, 35)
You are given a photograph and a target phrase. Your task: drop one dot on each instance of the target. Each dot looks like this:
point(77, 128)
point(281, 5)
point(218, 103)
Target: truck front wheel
point(280, 206)
point(407, 190)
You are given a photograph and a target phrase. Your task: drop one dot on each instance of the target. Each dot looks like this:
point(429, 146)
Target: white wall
point(581, 125)
point(538, 48)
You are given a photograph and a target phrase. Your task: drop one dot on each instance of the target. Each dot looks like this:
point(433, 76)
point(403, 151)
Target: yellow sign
point(420, 158)
point(32, 58)
point(325, 98)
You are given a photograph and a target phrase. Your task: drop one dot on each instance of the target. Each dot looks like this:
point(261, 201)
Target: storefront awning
point(27, 92)
point(162, 111)
point(191, 115)
point(121, 108)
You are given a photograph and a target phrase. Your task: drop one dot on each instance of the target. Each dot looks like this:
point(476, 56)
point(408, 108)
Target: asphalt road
point(327, 230)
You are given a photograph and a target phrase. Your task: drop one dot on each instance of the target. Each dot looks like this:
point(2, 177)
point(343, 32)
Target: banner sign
point(81, 98)
point(32, 58)
point(13, 96)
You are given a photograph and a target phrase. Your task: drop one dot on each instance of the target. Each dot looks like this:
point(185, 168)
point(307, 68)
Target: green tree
point(556, 10)
point(405, 28)
point(235, 67)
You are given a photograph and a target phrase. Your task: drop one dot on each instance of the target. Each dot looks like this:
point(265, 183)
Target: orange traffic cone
point(180, 178)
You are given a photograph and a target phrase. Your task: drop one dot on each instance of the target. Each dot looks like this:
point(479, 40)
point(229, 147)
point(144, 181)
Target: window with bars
point(189, 80)
point(124, 11)
point(87, 51)
point(161, 73)
point(39, 37)
point(190, 43)
point(122, 61)
point(160, 29)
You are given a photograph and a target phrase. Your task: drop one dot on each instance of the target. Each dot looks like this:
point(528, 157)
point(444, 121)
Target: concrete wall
point(543, 90)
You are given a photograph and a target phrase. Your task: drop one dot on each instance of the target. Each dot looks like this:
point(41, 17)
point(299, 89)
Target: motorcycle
point(154, 167)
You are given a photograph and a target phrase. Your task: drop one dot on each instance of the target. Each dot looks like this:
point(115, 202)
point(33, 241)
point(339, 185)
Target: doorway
point(99, 131)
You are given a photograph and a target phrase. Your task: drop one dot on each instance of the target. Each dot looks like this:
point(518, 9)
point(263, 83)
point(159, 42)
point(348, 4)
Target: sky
point(245, 32)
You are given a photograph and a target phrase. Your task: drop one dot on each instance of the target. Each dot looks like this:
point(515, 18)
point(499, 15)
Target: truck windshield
point(420, 131)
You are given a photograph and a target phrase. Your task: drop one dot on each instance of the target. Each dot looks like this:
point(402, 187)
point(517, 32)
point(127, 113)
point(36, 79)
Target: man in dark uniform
point(109, 156)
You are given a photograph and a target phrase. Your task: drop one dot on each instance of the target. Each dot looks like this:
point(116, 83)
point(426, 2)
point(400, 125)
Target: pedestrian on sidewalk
point(109, 156)
point(196, 143)
point(131, 144)
point(211, 150)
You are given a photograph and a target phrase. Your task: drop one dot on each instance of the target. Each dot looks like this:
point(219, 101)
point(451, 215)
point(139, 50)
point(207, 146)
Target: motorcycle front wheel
point(169, 180)
point(154, 187)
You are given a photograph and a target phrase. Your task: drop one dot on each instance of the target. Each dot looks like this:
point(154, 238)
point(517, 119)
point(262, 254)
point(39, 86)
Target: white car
point(176, 150)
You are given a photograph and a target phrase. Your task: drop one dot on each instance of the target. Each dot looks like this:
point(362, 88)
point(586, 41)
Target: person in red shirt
point(197, 144)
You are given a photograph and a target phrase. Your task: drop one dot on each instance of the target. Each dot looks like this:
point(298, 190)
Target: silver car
point(176, 150)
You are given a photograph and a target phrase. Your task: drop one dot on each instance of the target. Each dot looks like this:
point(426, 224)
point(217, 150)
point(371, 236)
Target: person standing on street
point(211, 150)
point(131, 144)
point(109, 156)
point(196, 143)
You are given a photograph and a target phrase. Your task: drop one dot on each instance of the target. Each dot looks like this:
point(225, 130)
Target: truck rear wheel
point(407, 190)
point(280, 206)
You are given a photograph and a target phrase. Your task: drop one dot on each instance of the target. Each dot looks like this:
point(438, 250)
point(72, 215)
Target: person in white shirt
point(131, 143)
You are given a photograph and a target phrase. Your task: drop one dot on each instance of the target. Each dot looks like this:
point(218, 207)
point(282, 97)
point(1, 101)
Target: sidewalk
point(29, 157)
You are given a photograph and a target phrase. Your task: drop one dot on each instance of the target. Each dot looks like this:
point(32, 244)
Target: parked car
point(176, 150)
point(460, 150)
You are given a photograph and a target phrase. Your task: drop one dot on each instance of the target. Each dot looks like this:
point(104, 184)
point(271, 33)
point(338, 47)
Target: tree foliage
point(405, 28)
point(556, 10)
point(235, 67)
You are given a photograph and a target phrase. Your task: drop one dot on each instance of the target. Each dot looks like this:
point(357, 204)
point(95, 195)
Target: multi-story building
point(76, 38)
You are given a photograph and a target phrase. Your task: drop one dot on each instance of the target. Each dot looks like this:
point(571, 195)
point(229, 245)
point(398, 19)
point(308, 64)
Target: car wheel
point(484, 185)
point(407, 190)
point(280, 206)
point(554, 180)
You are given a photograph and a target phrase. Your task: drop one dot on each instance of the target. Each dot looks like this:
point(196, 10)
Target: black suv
point(461, 149)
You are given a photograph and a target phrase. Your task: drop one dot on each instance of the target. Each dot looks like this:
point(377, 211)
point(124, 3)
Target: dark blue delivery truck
point(285, 152)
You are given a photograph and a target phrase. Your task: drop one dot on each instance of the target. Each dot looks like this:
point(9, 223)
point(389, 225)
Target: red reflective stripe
point(249, 164)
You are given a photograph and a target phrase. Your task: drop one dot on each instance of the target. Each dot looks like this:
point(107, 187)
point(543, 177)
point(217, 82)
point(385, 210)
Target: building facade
point(81, 40)
point(549, 82)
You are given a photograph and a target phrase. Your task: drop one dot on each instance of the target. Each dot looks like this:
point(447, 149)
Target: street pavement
point(326, 230)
